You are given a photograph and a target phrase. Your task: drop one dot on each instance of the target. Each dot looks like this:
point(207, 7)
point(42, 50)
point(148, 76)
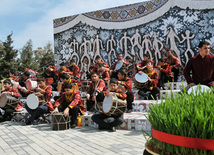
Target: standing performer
point(151, 91)
point(70, 104)
point(98, 61)
point(202, 67)
point(117, 119)
point(9, 110)
point(75, 69)
point(126, 82)
point(96, 91)
point(44, 90)
point(165, 73)
point(124, 65)
point(174, 63)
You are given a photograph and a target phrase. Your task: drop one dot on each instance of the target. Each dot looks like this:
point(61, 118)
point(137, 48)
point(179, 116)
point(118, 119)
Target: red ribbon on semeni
point(196, 143)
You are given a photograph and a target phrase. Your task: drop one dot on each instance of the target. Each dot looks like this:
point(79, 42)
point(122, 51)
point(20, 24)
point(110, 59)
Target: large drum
point(8, 101)
point(49, 81)
point(119, 65)
point(114, 106)
point(141, 80)
point(59, 86)
point(85, 86)
point(198, 89)
point(34, 100)
point(30, 85)
point(60, 122)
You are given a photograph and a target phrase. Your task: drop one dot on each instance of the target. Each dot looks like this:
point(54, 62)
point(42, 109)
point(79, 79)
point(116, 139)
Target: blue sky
point(33, 19)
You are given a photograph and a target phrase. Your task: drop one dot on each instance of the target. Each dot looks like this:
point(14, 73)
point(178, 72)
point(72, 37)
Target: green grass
point(184, 115)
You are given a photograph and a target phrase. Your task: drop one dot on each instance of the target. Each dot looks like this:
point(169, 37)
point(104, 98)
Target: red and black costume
point(143, 63)
point(114, 72)
point(104, 74)
point(76, 71)
point(9, 110)
point(165, 75)
point(127, 84)
point(151, 90)
point(202, 70)
point(51, 72)
point(15, 78)
point(174, 64)
point(73, 102)
point(60, 71)
point(118, 119)
point(96, 66)
point(41, 109)
point(97, 89)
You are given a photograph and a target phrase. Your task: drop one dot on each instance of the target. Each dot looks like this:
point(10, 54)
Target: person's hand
point(55, 110)
point(192, 84)
point(108, 94)
point(211, 83)
point(23, 89)
point(119, 82)
point(93, 98)
point(88, 97)
point(159, 66)
point(66, 112)
point(39, 89)
point(140, 72)
point(149, 79)
point(7, 92)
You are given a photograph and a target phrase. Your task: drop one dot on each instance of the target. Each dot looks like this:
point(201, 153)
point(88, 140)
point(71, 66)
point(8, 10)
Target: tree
point(7, 57)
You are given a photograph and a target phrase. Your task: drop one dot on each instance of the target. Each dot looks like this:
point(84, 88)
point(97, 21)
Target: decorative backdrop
point(134, 30)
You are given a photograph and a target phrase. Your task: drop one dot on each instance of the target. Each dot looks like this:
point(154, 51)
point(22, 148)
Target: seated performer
point(9, 110)
point(174, 63)
point(91, 68)
point(32, 73)
point(142, 66)
point(75, 69)
point(202, 67)
point(13, 77)
point(151, 91)
point(63, 69)
point(26, 76)
point(126, 82)
point(117, 119)
point(70, 104)
point(102, 72)
point(98, 61)
point(51, 72)
point(124, 66)
point(96, 91)
point(165, 73)
point(44, 90)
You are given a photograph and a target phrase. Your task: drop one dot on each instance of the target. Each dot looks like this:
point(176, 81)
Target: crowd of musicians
point(105, 81)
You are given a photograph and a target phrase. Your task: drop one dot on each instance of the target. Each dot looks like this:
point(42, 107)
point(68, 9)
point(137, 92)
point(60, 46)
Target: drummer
point(45, 91)
point(151, 91)
point(165, 73)
point(102, 72)
point(98, 61)
point(63, 69)
point(142, 66)
point(32, 73)
point(75, 69)
point(13, 77)
point(70, 104)
point(8, 89)
point(96, 91)
point(126, 82)
point(124, 65)
point(117, 119)
point(202, 67)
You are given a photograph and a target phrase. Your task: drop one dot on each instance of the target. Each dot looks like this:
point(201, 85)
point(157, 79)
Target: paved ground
point(40, 139)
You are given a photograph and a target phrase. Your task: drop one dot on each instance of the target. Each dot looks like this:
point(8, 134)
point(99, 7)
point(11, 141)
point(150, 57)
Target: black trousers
point(129, 99)
point(149, 94)
point(163, 79)
point(72, 112)
point(7, 114)
point(100, 120)
point(175, 70)
point(91, 104)
point(36, 113)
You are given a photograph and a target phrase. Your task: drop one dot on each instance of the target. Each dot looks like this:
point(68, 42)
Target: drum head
point(3, 101)
point(198, 89)
point(107, 103)
point(118, 66)
point(141, 77)
point(32, 101)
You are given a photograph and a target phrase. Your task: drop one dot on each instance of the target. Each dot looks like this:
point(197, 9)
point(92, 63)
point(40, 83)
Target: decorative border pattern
point(118, 14)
